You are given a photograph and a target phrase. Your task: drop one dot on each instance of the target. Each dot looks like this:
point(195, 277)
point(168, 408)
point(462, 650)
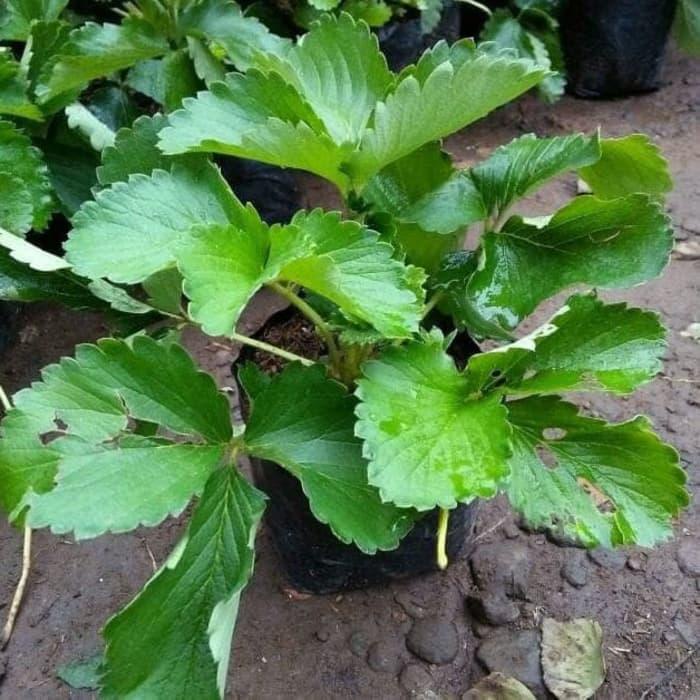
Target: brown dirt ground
point(75, 587)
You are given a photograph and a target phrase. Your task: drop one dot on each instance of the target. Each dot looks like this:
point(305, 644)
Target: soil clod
point(384, 657)
point(688, 556)
point(415, 679)
point(575, 569)
point(502, 567)
point(433, 640)
point(493, 609)
point(608, 558)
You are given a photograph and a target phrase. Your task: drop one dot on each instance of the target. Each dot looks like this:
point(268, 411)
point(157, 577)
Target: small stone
point(433, 640)
point(359, 643)
point(415, 679)
point(410, 606)
point(323, 634)
point(636, 561)
point(575, 570)
point(493, 609)
point(384, 657)
point(515, 654)
point(502, 566)
point(688, 556)
point(608, 558)
point(688, 631)
point(511, 530)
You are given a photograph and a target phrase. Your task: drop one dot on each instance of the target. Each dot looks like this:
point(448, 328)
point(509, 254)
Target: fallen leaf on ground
point(496, 686)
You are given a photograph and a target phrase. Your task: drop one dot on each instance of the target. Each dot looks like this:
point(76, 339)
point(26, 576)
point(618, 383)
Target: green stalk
point(443, 519)
point(272, 349)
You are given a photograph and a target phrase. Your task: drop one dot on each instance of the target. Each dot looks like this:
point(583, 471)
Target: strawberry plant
point(384, 427)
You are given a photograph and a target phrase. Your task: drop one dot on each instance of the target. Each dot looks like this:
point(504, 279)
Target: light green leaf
point(24, 163)
point(207, 66)
point(164, 290)
point(304, 421)
point(96, 50)
point(375, 13)
point(102, 488)
point(132, 229)
point(83, 406)
point(610, 244)
point(526, 163)
point(222, 22)
point(16, 16)
point(223, 266)
point(338, 69)
point(627, 165)
point(429, 104)
point(26, 252)
point(347, 264)
point(259, 117)
point(428, 441)
point(572, 658)
point(15, 205)
point(610, 484)
point(497, 686)
point(14, 99)
point(587, 345)
point(174, 638)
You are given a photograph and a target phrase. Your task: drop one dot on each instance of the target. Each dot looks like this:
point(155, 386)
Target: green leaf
point(81, 408)
point(635, 482)
point(686, 25)
point(338, 69)
point(347, 264)
point(15, 205)
point(375, 13)
point(526, 163)
point(304, 421)
point(605, 243)
point(587, 345)
point(434, 101)
point(14, 87)
point(259, 117)
point(223, 22)
point(627, 165)
point(223, 266)
point(24, 163)
point(83, 673)
point(96, 50)
point(147, 216)
point(16, 16)
point(207, 66)
point(174, 638)
point(101, 489)
point(428, 441)
point(164, 290)
point(166, 80)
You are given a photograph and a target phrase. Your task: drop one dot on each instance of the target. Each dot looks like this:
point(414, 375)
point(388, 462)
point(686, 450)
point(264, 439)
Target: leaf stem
point(26, 561)
point(443, 519)
point(433, 302)
point(272, 349)
point(321, 326)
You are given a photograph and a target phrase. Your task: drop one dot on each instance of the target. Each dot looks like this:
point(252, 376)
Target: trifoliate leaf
point(304, 421)
point(610, 244)
point(339, 70)
point(429, 105)
point(96, 50)
point(16, 16)
point(242, 37)
point(526, 163)
point(174, 638)
point(428, 441)
point(259, 117)
point(587, 345)
point(132, 229)
point(14, 87)
point(627, 165)
point(347, 264)
point(81, 409)
point(22, 162)
point(600, 483)
point(572, 658)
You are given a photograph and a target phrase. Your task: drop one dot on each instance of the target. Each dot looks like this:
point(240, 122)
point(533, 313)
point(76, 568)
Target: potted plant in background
point(379, 426)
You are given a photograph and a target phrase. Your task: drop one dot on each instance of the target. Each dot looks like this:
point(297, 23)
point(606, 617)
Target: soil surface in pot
point(355, 645)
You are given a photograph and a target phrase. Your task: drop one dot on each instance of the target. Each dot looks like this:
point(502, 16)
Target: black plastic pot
point(314, 560)
point(403, 41)
point(271, 190)
point(614, 48)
